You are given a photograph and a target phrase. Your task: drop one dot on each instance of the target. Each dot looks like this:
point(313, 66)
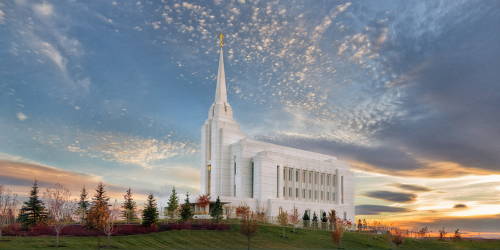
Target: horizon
point(117, 92)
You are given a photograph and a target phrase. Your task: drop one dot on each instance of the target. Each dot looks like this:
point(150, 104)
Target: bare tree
point(60, 208)
point(283, 220)
point(294, 218)
point(109, 225)
point(248, 226)
point(8, 203)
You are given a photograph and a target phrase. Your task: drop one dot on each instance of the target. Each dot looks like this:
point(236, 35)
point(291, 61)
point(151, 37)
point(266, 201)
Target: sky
point(407, 92)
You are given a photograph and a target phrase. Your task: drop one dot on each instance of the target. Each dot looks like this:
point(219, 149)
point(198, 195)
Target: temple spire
point(221, 92)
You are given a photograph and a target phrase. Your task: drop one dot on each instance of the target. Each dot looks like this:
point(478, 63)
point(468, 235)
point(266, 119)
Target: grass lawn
point(267, 237)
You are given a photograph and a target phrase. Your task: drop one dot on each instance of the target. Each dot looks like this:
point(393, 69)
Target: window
point(328, 180)
point(334, 180)
point(327, 196)
point(284, 192)
point(296, 193)
point(315, 178)
point(304, 176)
point(345, 216)
point(290, 192)
point(277, 181)
point(303, 193)
point(310, 194)
point(342, 189)
point(290, 174)
point(315, 195)
point(310, 177)
point(322, 195)
point(209, 178)
point(284, 173)
point(333, 196)
point(297, 175)
point(322, 179)
point(252, 179)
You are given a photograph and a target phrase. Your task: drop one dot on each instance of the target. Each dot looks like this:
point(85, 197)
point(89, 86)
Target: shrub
point(337, 233)
point(397, 238)
point(458, 235)
point(442, 234)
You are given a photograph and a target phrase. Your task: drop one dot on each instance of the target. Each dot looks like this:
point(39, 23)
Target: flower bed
point(120, 229)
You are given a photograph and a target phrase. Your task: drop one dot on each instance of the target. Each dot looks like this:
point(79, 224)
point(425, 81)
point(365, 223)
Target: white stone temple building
point(262, 175)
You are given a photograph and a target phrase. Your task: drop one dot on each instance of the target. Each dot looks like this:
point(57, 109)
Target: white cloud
point(21, 116)
point(44, 9)
point(53, 54)
point(116, 147)
point(2, 16)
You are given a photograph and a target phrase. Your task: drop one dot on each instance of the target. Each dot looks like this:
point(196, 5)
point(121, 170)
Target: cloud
point(21, 116)
point(411, 187)
point(54, 55)
point(392, 196)
point(473, 223)
point(460, 206)
point(2, 16)
point(23, 174)
point(378, 209)
point(43, 9)
point(19, 174)
point(118, 147)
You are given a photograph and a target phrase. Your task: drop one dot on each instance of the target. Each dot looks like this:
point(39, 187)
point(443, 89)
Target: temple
point(265, 176)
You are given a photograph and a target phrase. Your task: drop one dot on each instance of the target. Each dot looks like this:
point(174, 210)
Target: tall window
point(304, 176)
point(277, 181)
point(342, 189)
point(290, 174)
point(303, 193)
point(209, 173)
point(289, 192)
point(328, 180)
point(310, 177)
point(284, 173)
point(234, 178)
point(296, 193)
point(322, 179)
point(297, 175)
point(252, 179)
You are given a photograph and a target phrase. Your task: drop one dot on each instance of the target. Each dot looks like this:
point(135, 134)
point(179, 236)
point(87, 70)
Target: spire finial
point(221, 40)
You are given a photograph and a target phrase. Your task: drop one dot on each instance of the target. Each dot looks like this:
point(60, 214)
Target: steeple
point(220, 107)
point(221, 92)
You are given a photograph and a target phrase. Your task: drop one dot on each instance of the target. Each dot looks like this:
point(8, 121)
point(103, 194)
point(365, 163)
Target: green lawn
point(267, 237)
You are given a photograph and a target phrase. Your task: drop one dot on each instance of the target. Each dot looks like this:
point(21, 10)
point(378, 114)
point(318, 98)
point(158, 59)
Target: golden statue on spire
point(221, 40)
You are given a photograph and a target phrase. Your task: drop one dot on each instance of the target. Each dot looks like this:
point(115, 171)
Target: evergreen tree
point(306, 219)
point(33, 211)
point(150, 212)
point(173, 204)
point(83, 206)
point(315, 220)
point(323, 217)
point(186, 212)
point(129, 207)
point(216, 211)
point(99, 212)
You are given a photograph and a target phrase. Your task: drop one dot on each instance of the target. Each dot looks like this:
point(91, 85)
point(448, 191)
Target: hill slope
point(267, 237)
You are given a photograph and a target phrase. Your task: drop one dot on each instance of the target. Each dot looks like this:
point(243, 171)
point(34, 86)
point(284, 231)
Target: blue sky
point(117, 91)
